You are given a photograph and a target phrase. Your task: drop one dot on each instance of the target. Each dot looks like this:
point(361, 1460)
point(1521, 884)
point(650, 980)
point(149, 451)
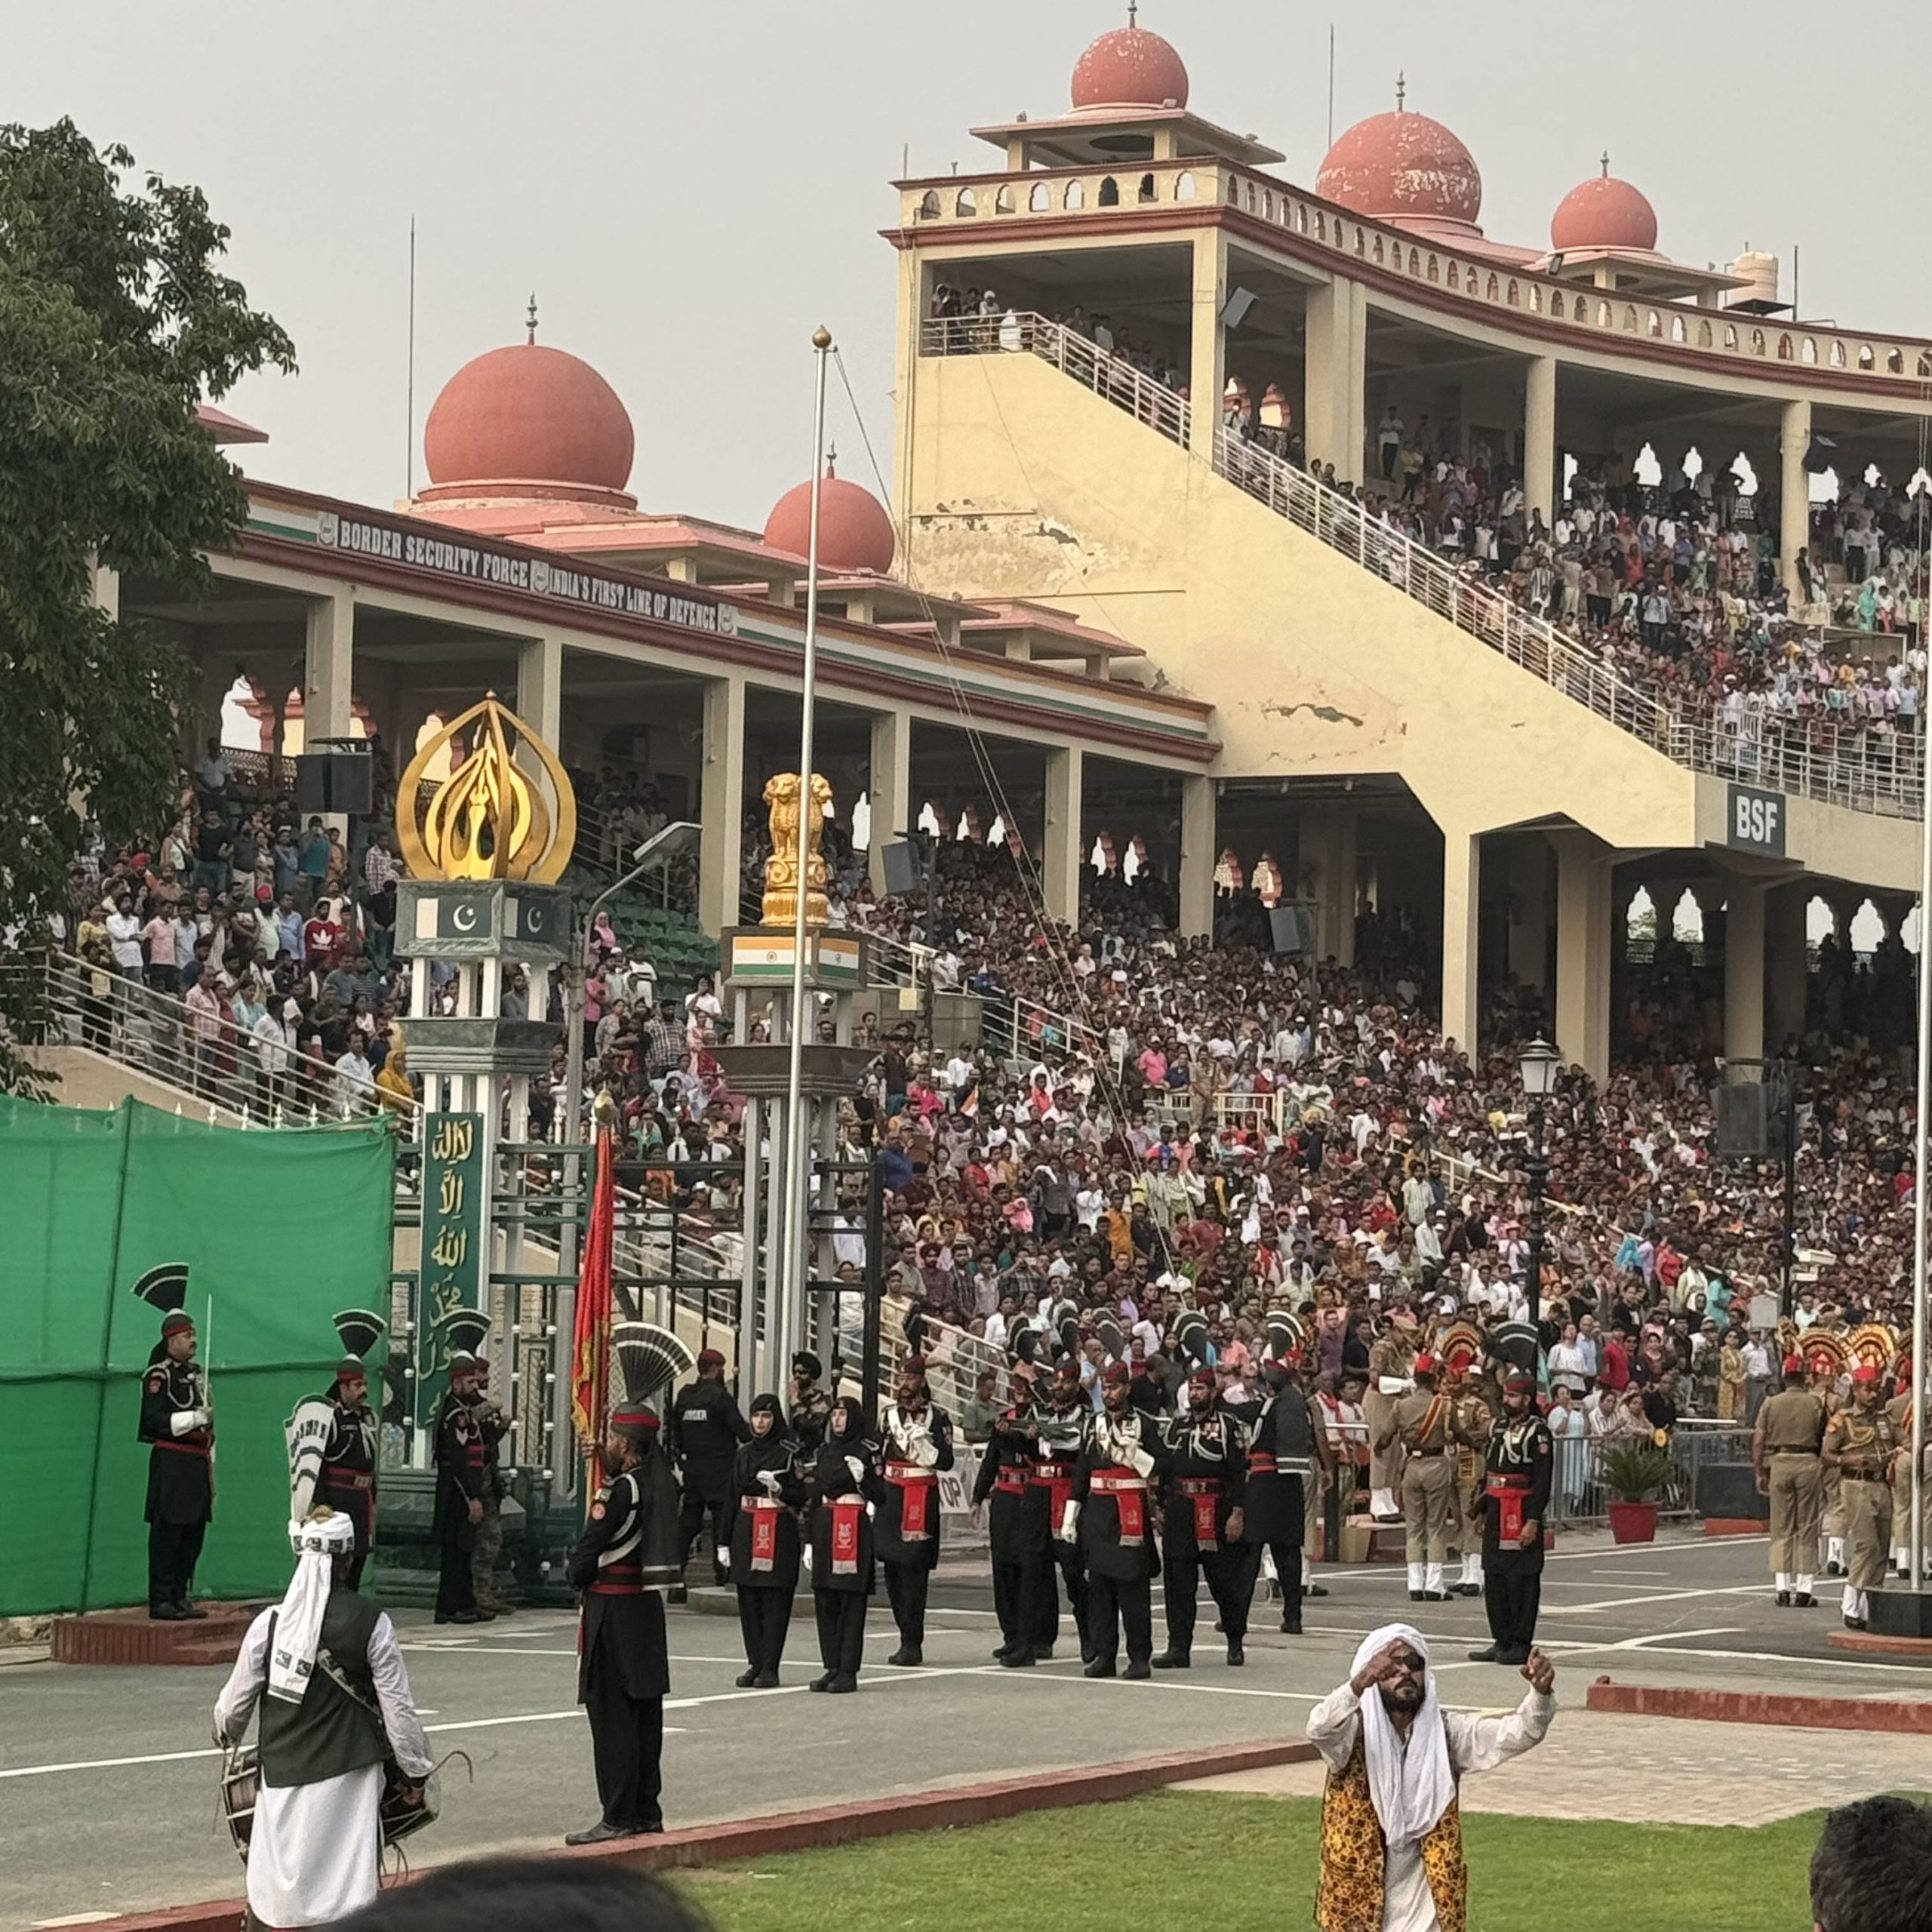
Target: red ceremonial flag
point(590, 1354)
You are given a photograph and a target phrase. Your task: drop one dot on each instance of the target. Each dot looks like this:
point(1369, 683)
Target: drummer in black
point(768, 1493)
point(178, 1425)
point(1017, 1521)
point(844, 1480)
point(1111, 1512)
point(1063, 1432)
point(1286, 1451)
point(1515, 1500)
point(1201, 1522)
point(623, 1664)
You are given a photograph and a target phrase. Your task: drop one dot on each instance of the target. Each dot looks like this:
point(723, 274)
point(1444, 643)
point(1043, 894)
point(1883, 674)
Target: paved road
point(107, 1790)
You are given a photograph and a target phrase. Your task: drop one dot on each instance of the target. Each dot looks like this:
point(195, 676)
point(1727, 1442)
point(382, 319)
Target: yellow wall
point(1020, 482)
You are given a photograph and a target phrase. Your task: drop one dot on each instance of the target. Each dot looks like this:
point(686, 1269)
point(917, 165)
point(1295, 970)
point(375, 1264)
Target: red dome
point(530, 414)
point(1401, 165)
point(1604, 213)
point(854, 532)
point(1130, 67)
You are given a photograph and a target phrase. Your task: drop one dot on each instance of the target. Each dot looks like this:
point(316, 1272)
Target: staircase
point(1863, 771)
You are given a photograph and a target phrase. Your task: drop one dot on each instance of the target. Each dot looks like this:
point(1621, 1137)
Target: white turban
point(317, 1541)
point(1411, 1787)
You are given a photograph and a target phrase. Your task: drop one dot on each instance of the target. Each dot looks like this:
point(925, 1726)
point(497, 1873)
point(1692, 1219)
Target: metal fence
point(1578, 1494)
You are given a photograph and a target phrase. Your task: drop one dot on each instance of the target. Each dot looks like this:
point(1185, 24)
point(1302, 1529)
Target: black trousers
point(456, 1584)
point(691, 1513)
point(1183, 1563)
point(173, 1549)
point(1072, 1575)
point(1115, 1604)
point(1019, 1590)
point(627, 1745)
point(1511, 1597)
point(842, 1629)
point(765, 1616)
point(1288, 1569)
point(905, 1586)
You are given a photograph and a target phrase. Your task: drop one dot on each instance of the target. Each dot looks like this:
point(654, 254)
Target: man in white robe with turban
point(337, 1707)
point(1391, 1834)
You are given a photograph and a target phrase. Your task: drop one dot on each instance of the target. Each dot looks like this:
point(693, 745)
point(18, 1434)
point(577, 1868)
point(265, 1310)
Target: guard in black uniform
point(1286, 1451)
point(178, 1425)
point(705, 1430)
point(768, 1493)
point(623, 1665)
point(1201, 1523)
point(846, 1480)
point(460, 1474)
point(346, 1480)
point(916, 1438)
point(1111, 1512)
point(1517, 1467)
point(1018, 1523)
point(1063, 1432)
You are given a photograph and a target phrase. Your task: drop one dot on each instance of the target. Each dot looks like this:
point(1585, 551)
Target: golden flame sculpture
point(507, 811)
point(780, 906)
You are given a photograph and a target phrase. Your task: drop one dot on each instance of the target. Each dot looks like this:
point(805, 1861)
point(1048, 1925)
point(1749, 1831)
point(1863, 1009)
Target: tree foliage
point(115, 322)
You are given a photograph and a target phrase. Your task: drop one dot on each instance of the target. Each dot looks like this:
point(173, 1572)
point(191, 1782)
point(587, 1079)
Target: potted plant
point(1633, 1472)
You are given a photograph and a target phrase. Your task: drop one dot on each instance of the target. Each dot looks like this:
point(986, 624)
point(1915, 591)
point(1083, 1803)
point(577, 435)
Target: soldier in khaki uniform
point(1899, 1409)
point(1826, 1369)
point(1421, 1424)
point(1858, 1443)
point(1391, 1361)
point(1469, 1420)
point(1784, 1454)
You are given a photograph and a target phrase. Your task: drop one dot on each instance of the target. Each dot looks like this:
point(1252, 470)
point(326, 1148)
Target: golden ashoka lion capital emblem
point(784, 795)
point(506, 810)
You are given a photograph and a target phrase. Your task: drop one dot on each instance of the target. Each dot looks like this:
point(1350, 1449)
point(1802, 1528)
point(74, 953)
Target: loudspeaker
point(905, 871)
point(1290, 927)
point(1730, 1489)
point(335, 775)
point(1742, 1120)
point(1234, 311)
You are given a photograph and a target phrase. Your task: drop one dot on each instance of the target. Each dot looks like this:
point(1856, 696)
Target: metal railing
point(1579, 1494)
point(1876, 770)
point(206, 1056)
point(1106, 374)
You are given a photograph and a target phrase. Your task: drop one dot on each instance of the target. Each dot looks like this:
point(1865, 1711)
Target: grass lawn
point(1231, 1864)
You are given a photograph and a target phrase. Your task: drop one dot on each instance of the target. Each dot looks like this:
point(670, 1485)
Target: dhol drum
point(241, 1787)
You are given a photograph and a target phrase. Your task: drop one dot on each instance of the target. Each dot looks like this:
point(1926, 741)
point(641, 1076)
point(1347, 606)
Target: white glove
point(924, 1452)
point(858, 1470)
point(768, 1481)
point(185, 1421)
point(1069, 1522)
point(724, 1556)
point(1140, 1461)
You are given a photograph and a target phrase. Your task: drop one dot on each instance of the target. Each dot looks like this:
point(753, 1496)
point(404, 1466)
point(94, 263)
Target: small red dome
point(1398, 165)
point(1604, 213)
point(529, 413)
point(854, 532)
point(1130, 67)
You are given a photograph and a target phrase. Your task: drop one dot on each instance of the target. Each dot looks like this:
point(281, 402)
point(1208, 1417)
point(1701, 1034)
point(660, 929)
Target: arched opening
point(1131, 861)
point(1647, 468)
point(246, 722)
point(996, 832)
point(966, 203)
point(1184, 188)
point(929, 205)
point(862, 822)
point(1110, 195)
point(1867, 928)
point(1747, 476)
point(1640, 925)
point(1003, 200)
point(1041, 199)
point(438, 769)
point(1076, 196)
point(1686, 919)
point(929, 821)
point(1146, 191)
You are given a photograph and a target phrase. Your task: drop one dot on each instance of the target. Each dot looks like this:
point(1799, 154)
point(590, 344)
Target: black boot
point(1236, 1655)
point(906, 1655)
point(1100, 1667)
point(746, 1679)
point(1173, 1659)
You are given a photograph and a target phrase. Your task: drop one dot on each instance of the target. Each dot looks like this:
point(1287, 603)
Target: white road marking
point(1644, 1603)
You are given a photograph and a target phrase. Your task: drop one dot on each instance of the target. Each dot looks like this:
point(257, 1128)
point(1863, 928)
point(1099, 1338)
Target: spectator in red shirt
point(322, 938)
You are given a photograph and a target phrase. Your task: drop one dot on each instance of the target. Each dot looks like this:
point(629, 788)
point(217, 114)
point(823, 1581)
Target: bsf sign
point(1756, 823)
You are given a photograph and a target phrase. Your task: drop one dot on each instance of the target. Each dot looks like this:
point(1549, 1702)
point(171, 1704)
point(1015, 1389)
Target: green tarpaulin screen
point(279, 1230)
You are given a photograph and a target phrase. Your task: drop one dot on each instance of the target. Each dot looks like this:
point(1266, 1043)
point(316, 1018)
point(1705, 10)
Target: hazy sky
point(690, 189)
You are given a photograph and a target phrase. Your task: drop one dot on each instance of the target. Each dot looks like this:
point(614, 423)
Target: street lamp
point(1537, 1064)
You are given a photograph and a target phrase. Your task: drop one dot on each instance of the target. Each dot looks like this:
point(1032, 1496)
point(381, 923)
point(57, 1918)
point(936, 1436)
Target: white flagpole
point(794, 1274)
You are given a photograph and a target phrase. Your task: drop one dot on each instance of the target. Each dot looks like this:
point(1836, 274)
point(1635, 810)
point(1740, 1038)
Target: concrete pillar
point(888, 786)
point(1462, 888)
point(104, 588)
point(1583, 942)
point(1062, 858)
point(1206, 368)
point(1337, 376)
point(722, 793)
point(540, 688)
point(328, 665)
point(1539, 438)
point(1529, 930)
point(1329, 840)
point(1744, 970)
point(1794, 485)
point(1786, 965)
point(1197, 856)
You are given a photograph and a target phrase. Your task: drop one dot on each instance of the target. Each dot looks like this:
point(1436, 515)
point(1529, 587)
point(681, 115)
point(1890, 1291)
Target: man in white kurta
point(337, 1706)
point(1414, 1753)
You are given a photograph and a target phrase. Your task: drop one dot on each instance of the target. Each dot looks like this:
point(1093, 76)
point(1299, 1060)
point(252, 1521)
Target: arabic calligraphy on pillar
point(506, 810)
